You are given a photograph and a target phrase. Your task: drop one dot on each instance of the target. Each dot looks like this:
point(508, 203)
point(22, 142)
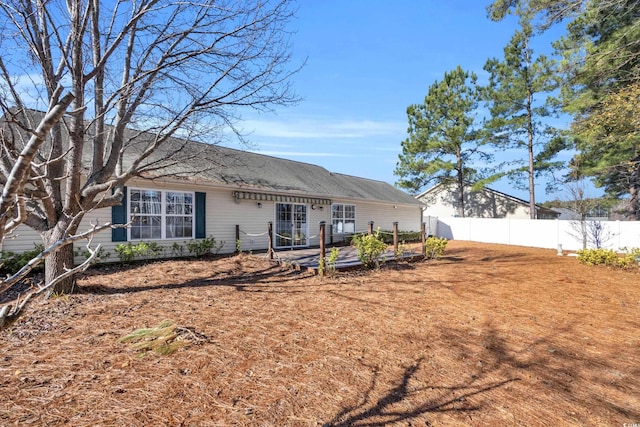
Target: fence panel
point(539, 233)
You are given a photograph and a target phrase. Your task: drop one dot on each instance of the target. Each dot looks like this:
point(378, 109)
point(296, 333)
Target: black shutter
point(119, 216)
point(201, 208)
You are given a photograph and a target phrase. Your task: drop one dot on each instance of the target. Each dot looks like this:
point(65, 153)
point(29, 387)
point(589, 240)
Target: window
point(161, 214)
point(343, 218)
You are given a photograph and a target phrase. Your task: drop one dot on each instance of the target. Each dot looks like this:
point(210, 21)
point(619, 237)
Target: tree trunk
point(58, 262)
point(460, 183)
point(461, 210)
point(634, 202)
point(634, 190)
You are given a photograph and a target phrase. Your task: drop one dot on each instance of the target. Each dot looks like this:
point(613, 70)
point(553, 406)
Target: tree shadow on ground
point(271, 275)
point(552, 369)
point(382, 412)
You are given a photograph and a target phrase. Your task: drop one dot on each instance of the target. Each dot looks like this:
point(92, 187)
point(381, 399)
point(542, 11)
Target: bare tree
point(139, 73)
point(586, 230)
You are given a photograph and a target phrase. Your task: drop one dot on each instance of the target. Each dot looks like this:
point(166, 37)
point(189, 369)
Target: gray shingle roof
point(208, 163)
point(253, 171)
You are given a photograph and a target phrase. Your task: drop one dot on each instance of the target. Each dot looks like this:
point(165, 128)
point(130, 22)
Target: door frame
point(296, 226)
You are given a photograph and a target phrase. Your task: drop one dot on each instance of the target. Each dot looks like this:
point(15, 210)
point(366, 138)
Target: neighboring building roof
point(567, 214)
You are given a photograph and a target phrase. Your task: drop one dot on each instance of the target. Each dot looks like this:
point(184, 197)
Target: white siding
point(441, 202)
point(409, 218)
point(23, 239)
point(224, 212)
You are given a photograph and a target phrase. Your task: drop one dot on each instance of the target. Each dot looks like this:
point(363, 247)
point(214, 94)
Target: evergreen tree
point(444, 139)
point(601, 85)
point(519, 96)
point(602, 92)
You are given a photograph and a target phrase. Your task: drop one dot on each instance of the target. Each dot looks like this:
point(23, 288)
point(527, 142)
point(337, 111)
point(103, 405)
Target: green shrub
point(403, 236)
point(128, 252)
point(333, 260)
point(328, 265)
point(205, 246)
point(177, 249)
point(434, 247)
point(370, 247)
point(102, 254)
point(11, 262)
point(408, 236)
point(609, 257)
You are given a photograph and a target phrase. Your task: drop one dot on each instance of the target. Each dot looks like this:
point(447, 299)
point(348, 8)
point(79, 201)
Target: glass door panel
point(291, 225)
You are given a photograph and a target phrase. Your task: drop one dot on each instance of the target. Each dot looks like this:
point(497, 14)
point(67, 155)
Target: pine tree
point(444, 138)
point(519, 96)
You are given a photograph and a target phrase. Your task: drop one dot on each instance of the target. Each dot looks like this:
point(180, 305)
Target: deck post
point(322, 248)
point(424, 239)
point(370, 227)
point(237, 238)
point(270, 236)
point(395, 237)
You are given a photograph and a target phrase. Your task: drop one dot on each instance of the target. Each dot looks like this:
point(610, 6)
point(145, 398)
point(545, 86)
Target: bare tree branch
point(18, 176)
point(140, 74)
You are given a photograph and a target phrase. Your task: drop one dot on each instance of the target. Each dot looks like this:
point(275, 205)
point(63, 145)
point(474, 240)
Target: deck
point(309, 258)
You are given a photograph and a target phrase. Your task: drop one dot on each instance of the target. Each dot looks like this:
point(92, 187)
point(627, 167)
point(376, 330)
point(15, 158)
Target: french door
point(291, 225)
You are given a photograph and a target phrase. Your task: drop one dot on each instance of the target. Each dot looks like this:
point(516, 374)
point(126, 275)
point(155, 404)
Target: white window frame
point(304, 229)
point(163, 214)
point(343, 218)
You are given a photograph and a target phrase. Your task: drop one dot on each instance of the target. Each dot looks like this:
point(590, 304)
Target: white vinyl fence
point(537, 233)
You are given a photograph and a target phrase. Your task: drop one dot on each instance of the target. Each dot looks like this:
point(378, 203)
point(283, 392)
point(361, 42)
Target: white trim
point(355, 217)
point(163, 214)
point(306, 231)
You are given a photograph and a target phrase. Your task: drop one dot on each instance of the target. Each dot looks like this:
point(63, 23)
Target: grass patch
point(163, 339)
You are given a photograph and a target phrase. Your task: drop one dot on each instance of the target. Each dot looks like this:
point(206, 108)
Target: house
point(442, 201)
point(233, 195)
point(620, 211)
point(597, 214)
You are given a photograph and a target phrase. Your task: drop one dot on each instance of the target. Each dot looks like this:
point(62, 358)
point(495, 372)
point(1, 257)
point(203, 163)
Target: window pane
point(152, 202)
point(134, 203)
point(145, 233)
point(188, 227)
point(350, 211)
point(170, 231)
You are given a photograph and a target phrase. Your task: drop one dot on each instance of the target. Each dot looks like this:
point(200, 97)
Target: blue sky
point(366, 62)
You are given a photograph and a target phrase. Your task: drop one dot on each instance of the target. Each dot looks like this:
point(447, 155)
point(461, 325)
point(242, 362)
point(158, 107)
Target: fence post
point(370, 227)
point(237, 238)
point(322, 249)
point(395, 237)
point(270, 233)
point(424, 239)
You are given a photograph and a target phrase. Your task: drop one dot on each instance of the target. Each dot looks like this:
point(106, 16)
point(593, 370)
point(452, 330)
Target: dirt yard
point(488, 335)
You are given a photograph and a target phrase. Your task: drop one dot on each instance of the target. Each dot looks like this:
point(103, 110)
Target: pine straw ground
point(488, 335)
